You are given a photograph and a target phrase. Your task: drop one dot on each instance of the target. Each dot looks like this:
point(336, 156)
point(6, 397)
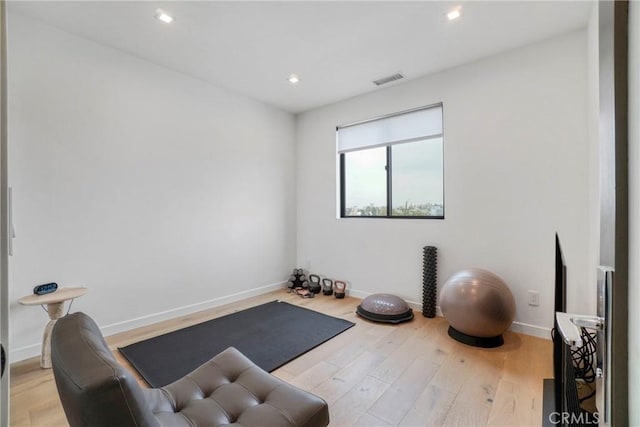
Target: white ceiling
point(336, 47)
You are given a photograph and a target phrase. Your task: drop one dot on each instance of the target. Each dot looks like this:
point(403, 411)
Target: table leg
point(56, 311)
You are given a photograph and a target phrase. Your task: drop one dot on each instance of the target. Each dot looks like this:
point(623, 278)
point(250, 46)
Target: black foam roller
point(429, 280)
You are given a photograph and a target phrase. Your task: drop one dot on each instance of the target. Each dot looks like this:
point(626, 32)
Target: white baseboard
point(519, 327)
point(26, 352)
point(33, 350)
point(127, 325)
point(533, 330)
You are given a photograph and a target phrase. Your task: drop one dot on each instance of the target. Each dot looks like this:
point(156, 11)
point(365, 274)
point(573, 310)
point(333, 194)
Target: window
point(392, 167)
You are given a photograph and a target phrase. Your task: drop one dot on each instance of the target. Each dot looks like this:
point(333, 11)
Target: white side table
point(55, 307)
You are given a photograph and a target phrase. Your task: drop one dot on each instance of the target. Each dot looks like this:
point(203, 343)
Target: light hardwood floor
point(373, 374)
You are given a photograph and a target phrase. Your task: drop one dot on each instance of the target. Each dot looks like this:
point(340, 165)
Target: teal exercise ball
point(477, 303)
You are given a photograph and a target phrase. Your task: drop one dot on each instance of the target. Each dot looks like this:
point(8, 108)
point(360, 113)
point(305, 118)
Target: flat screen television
point(565, 389)
point(560, 305)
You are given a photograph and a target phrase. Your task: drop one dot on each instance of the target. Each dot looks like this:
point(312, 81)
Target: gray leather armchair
point(96, 390)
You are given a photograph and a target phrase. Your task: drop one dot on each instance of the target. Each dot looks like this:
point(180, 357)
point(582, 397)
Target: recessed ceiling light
point(293, 79)
point(163, 16)
point(454, 14)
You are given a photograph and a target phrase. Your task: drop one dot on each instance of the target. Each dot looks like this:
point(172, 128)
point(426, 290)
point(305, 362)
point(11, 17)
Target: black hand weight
point(314, 283)
point(327, 286)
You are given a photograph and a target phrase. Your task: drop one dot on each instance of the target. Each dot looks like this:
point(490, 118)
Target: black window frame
point(389, 183)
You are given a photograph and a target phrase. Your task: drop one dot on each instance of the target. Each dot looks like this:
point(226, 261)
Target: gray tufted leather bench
point(96, 390)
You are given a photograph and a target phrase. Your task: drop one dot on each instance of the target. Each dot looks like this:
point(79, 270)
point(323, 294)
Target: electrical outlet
point(534, 298)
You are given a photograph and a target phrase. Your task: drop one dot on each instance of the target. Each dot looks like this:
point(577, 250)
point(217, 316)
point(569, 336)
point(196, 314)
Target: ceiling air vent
point(388, 79)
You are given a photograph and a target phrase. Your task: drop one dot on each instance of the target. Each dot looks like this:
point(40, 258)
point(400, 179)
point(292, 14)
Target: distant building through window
point(392, 167)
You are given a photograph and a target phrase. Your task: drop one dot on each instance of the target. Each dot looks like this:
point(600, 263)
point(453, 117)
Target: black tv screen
point(565, 389)
point(560, 304)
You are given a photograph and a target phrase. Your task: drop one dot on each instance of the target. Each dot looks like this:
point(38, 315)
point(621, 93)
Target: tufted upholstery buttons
point(228, 390)
point(237, 391)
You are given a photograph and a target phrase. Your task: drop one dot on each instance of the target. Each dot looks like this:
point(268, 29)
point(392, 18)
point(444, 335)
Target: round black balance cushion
point(385, 308)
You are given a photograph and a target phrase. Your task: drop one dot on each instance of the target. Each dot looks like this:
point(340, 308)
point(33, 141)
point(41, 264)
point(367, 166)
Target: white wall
point(516, 171)
point(155, 190)
point(634, 213)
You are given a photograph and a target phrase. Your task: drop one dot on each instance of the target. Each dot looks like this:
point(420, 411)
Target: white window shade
point(403, 127)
